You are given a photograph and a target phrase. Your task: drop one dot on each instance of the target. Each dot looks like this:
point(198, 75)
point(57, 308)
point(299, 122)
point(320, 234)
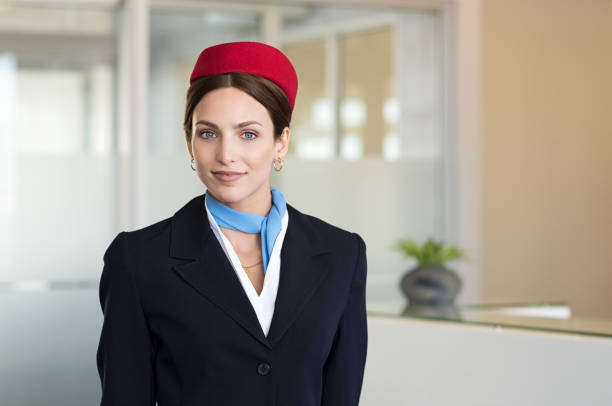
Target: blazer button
point(263, 368)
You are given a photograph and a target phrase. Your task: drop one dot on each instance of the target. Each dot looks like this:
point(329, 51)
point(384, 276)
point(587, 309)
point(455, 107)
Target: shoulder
point(325, 233)
point(154, 239)
point(151, 232)
point(140, 242)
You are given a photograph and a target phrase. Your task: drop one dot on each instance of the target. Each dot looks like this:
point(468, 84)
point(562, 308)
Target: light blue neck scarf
point(269, 226)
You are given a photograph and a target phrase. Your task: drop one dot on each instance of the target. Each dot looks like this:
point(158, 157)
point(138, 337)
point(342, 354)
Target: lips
point(228, 176)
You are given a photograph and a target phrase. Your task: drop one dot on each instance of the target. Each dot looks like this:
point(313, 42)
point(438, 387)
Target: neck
point(243, 243)
point(259, 202)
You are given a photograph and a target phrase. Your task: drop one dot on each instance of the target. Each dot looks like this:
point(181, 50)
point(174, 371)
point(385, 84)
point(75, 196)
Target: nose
point(225, 150)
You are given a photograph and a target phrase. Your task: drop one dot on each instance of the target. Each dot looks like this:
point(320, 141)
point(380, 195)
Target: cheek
point(203, 154)
point(259, 157)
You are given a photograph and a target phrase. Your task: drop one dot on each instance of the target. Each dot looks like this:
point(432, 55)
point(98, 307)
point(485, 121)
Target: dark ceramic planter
point(430, 286)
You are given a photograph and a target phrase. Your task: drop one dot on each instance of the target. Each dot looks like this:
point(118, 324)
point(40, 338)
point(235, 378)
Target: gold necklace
point(251, 266)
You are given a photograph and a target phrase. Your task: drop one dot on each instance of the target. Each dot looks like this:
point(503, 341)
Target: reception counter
point(494, 354)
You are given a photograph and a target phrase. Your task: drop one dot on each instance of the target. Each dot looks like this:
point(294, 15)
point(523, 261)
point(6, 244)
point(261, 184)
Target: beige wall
point(547, 152)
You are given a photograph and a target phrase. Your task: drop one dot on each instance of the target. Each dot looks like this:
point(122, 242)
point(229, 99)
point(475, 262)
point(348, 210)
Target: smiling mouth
point(227, 176)
point(228, 173)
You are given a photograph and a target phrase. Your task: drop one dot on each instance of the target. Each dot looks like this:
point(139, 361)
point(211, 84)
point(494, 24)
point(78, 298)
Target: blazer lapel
point(210, 272)
point(301, 273)
point(212, 275)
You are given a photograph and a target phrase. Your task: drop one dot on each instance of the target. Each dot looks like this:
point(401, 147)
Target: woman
point(239, 298)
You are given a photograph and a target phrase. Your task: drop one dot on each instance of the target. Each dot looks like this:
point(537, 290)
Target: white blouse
point(263, 304)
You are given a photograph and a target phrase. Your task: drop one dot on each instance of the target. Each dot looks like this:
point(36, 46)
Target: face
point(233, 146)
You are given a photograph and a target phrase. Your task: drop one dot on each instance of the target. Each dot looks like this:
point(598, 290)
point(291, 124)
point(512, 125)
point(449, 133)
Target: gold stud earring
point(192, 164)
point(278, 164)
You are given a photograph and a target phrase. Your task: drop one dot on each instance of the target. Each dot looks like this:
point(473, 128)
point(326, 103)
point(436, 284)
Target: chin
point(226, 194)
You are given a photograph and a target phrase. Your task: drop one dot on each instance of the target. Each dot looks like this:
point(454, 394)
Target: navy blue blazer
point(179, 329)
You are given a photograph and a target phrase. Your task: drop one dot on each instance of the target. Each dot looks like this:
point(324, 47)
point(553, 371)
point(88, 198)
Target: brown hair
point(268, 93)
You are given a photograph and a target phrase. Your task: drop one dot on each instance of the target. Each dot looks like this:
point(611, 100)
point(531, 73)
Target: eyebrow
point(239, 125)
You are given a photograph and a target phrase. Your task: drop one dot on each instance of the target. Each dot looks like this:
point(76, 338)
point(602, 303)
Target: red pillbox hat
point(248, 57)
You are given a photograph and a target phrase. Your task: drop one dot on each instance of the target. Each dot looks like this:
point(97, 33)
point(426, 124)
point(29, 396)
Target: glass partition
point(57, 142)
point(58, 197)
point(312, 119)
point(367, 152)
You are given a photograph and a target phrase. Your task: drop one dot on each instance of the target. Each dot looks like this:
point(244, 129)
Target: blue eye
point(204, 133)
point(251, 136)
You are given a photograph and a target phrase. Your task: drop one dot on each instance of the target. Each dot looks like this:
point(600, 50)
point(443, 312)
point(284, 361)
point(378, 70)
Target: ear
point(189, 147)
point(282, 143)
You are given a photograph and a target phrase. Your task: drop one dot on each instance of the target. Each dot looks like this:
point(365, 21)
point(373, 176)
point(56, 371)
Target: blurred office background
point(483, 123)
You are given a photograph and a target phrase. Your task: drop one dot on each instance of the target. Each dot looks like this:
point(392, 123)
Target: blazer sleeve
point(344, 368)
point(125, 353)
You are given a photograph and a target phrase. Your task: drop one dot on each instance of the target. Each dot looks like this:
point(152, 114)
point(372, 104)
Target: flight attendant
point(238, 298)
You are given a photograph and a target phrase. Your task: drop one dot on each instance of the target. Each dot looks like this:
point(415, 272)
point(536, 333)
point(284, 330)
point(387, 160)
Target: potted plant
point(430, 283)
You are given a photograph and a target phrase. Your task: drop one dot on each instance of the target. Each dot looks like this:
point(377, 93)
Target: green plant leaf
point(431, 252)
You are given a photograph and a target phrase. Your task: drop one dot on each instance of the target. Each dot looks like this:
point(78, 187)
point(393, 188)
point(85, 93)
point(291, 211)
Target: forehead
point(231, 104)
